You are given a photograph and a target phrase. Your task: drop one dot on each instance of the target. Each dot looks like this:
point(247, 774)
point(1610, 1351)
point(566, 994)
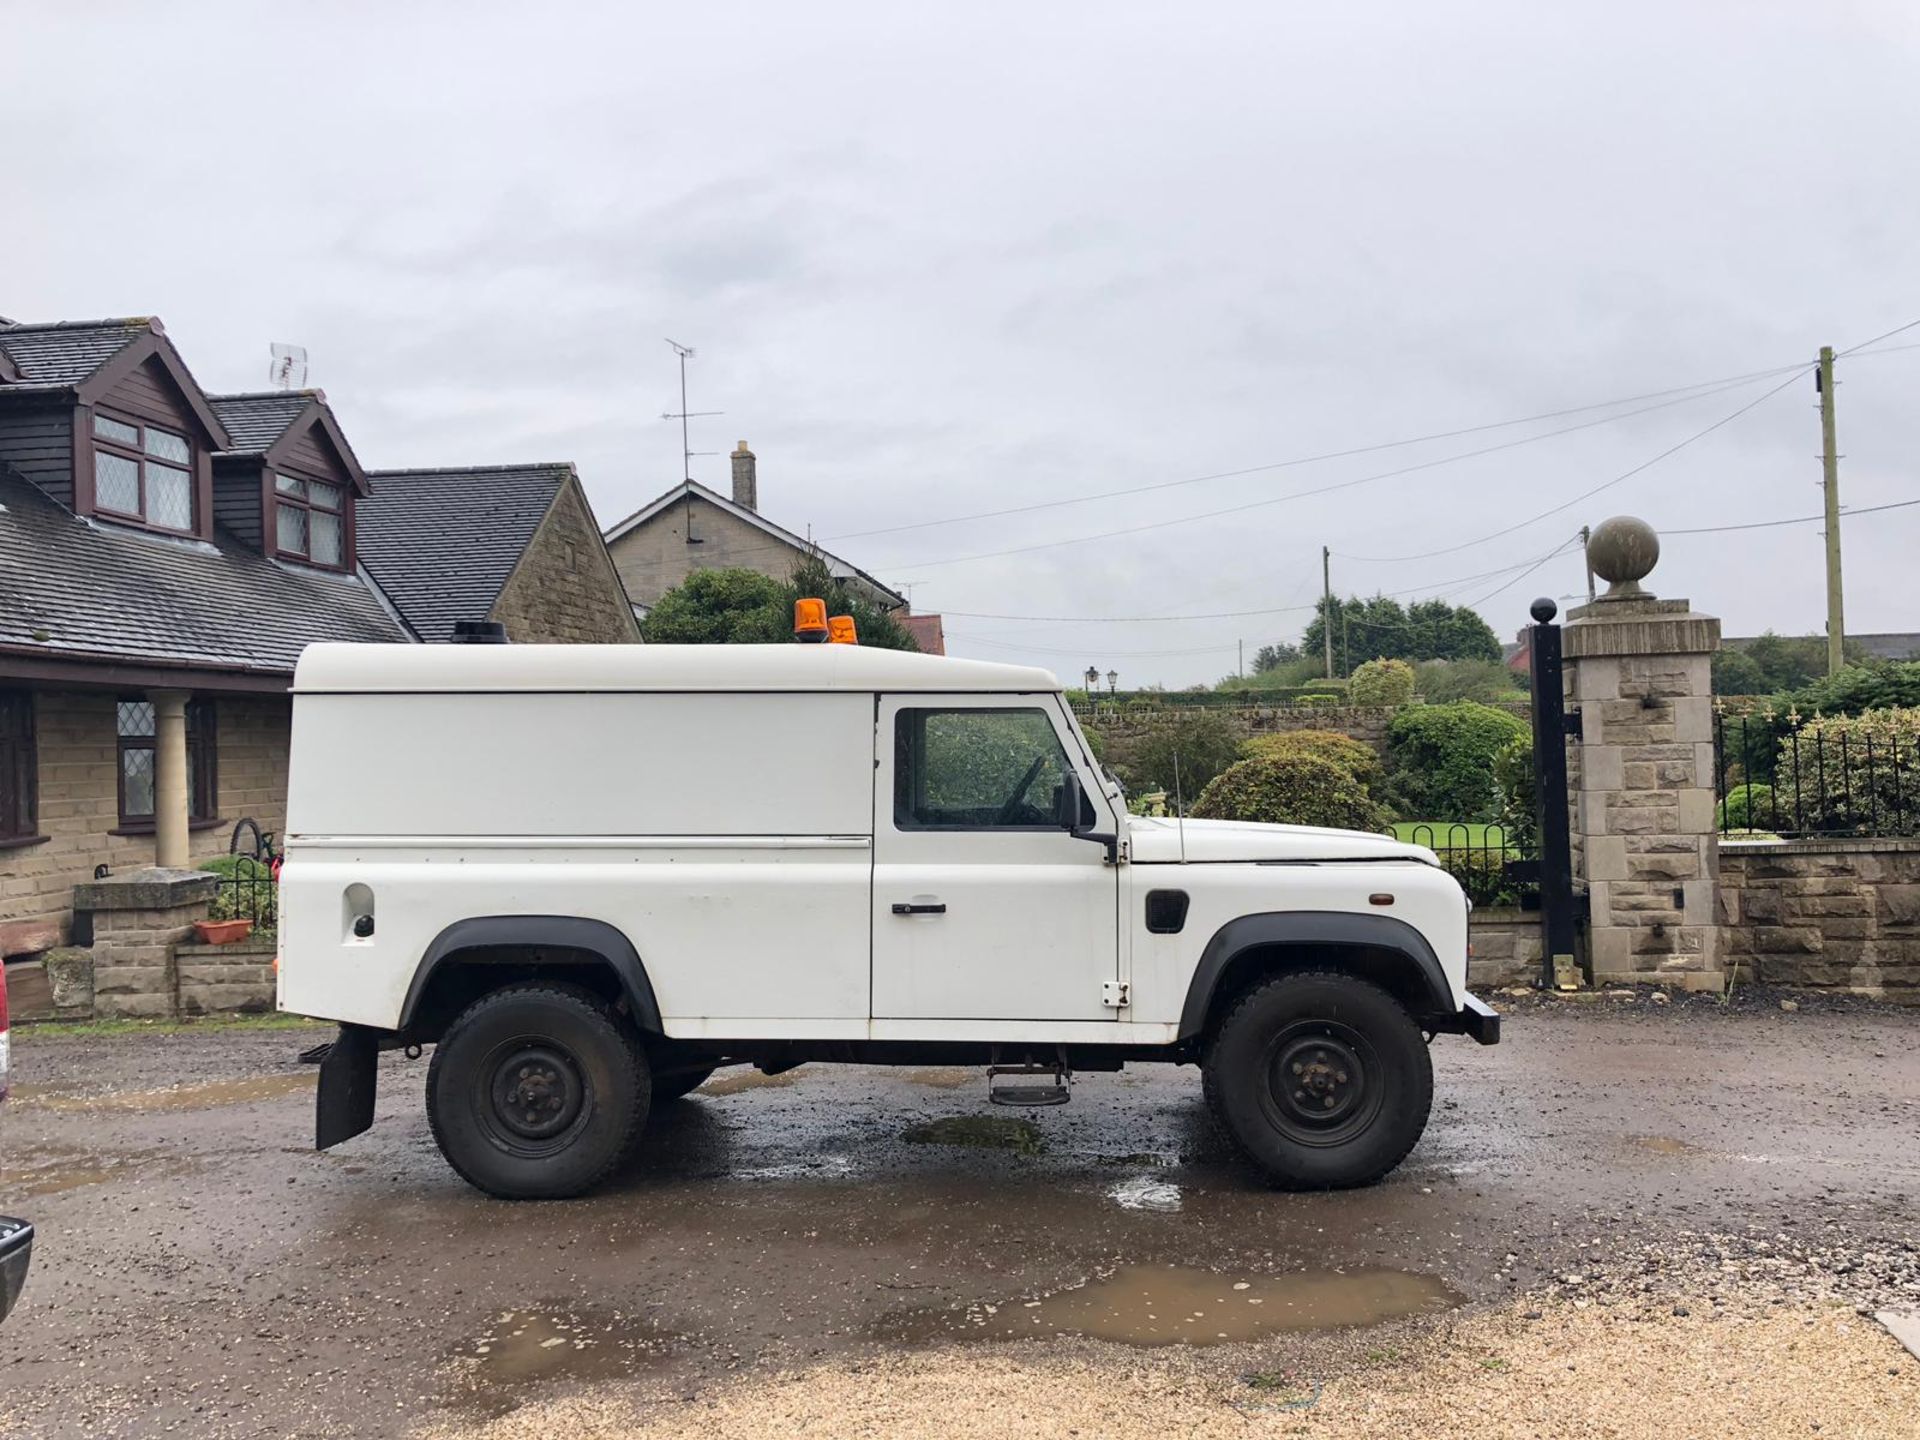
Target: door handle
point(902, 907)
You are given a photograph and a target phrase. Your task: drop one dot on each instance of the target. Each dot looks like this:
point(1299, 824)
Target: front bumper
point(16, 1252)
point(1480, 1020)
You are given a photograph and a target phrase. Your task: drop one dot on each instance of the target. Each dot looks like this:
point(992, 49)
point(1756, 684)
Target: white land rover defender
point(589, 875)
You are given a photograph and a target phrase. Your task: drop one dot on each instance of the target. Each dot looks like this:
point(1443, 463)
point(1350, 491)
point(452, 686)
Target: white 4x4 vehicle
point(589, 875)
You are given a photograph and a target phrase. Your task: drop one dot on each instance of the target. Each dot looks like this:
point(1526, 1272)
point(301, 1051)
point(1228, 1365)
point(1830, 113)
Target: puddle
point(207, 1096)
point(527, 1349)
point(748, 1080)
point(942, 1077)
point(1167, 1305)
point(1145, 1192)
point(57, 1172)
point(1662, 1145)
point(825, 1167)
point(993, 1132)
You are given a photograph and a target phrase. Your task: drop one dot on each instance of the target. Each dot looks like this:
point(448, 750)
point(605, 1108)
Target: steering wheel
point(1010, 812)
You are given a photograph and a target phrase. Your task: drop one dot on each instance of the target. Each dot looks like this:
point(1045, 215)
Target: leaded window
point(309, 521)
point(19, 767)
point(143, 472)
point(135, 723)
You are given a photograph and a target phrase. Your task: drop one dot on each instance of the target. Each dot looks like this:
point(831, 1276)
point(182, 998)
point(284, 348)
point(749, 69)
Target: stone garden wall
point(1833, 914)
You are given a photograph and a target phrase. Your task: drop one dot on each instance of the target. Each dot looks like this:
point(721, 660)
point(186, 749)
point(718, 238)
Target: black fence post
point(1550, 793)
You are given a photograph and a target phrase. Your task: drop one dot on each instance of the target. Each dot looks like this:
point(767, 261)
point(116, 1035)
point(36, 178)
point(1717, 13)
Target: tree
point(1269, 657)
point(1488, 681)
point(1441, 760)
point(1380, 628)
point(744, 607)
point(1770, 664)
point(1204, 743)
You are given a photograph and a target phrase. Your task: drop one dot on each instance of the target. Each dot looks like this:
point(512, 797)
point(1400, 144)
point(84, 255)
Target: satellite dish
point(288, 368)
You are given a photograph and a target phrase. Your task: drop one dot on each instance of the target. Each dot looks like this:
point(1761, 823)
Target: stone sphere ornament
point(1623, 551)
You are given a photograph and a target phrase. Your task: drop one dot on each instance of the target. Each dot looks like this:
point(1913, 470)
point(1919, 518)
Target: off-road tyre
point(537, 1091)
point(1321, 1080)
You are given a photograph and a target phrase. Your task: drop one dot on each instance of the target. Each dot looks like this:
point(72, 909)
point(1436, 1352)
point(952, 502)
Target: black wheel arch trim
point(1337, 928)
point(560, 932)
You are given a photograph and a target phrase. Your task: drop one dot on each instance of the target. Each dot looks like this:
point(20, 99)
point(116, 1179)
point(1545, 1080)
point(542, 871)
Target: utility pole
point(1830, 481)
point(1242, 646)
point(1326, 611)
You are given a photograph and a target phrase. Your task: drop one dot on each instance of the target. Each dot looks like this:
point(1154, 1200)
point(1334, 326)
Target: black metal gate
point(1560, 908)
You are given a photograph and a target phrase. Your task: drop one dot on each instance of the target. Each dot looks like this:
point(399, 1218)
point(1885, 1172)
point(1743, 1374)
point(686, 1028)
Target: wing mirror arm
point(1072, 817)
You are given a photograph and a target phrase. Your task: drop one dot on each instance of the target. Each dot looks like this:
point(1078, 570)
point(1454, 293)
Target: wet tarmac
point(200, 1267)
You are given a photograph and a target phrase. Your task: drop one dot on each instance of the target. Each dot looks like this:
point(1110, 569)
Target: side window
point(976, 770)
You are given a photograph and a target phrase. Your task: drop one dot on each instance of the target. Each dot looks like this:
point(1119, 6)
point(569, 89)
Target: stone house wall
point(1838, 913)
point(565, 590)
point(654, 557)
point(79, 804)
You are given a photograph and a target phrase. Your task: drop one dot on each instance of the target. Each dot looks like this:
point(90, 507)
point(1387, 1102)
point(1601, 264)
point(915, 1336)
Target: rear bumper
point(16, 1253)
point(1480, 1020)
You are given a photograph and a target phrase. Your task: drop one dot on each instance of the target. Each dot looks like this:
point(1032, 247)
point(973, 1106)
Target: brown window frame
point(305, 502)
point(141, 459)
point(203, 772)
point(19, 770)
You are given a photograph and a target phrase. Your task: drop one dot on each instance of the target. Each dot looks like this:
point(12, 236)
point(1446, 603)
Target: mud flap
point(344, 1104)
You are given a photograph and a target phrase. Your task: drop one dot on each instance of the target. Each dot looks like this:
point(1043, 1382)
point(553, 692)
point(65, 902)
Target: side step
point(1030, 1096)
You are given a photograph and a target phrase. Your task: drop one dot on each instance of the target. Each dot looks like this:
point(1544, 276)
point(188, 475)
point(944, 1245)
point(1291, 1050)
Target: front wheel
point(536, 1091)
point(1323, 1081)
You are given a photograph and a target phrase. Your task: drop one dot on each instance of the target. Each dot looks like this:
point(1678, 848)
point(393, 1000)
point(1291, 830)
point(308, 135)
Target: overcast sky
point(940, 260)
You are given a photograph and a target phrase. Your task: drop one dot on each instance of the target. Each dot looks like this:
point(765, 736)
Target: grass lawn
point(1447, 834)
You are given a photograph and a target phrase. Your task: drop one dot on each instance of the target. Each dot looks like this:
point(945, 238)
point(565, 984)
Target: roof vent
point(479, 632)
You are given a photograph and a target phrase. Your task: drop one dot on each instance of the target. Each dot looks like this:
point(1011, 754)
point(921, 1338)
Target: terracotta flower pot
point(222, 932)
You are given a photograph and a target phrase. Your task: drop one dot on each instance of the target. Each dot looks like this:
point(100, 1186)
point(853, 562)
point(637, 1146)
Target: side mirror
point(1071, 814)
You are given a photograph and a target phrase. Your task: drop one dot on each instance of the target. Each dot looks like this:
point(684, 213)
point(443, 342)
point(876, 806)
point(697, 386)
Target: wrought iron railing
point(249, 879)
point(1792, 776)
point(1495, 868)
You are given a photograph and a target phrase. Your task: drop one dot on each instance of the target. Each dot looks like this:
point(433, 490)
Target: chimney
point(746, 483)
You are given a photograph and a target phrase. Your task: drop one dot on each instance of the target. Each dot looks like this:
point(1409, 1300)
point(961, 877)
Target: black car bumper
point(16, 1252)
point(1480, 1020)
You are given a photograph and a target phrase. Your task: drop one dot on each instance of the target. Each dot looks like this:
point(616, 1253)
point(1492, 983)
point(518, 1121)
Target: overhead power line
point(1897, 330)
point(1847, 514)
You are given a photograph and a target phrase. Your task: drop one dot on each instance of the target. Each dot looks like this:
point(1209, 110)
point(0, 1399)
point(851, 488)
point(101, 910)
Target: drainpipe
point(169, 778)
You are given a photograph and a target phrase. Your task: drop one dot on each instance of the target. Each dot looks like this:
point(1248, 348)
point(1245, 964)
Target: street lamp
point(1093, 678)
point(1113, 681)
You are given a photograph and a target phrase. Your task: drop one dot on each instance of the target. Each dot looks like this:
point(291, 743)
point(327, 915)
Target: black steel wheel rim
point(1321, 1082)
point(534, 1096)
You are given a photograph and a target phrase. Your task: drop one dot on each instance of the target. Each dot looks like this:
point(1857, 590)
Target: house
point(166, 554)
point(927, 632)
point(693, 528)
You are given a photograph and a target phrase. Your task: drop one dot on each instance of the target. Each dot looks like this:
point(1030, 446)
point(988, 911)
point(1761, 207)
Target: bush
point(1381, 682)
point(1204, 742)
point(1852, 773)
point(1513, 774)
point(1298, 789)
point(1355, 757)
point(1747, 807)
point(1328, 687)
point(1441, 682)
point(1441, 759)
point(1860, 688)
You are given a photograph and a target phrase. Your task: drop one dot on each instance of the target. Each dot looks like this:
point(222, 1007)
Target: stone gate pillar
point(1639, 669)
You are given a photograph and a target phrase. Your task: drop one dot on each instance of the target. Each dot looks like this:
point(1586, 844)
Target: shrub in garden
point(1357, 757)
point(1847, 773)
point(255, 897)
point(1298, 789)
point(1748, 807)
point(1513, 773)
point(1205, 741)
point(1381, 682)
point(1440, 760)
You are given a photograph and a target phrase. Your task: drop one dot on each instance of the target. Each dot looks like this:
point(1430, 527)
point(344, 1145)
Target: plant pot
point(222, 932)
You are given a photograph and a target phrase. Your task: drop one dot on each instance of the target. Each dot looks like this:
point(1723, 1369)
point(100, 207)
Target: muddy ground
point(1686, 1167)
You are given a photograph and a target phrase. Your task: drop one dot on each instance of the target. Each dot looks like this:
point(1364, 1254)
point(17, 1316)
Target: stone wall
point(1506, 949)
point(79, 804)
point(1831, 913)
point(565, 589)
point(224, 979)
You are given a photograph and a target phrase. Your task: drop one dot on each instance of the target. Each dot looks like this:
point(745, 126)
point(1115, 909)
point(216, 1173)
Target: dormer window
point(142, 472)
point(309, 520)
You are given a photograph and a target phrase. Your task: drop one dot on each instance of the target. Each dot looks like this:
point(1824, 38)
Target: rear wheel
point(536, 1091)
point(1322, 1080)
